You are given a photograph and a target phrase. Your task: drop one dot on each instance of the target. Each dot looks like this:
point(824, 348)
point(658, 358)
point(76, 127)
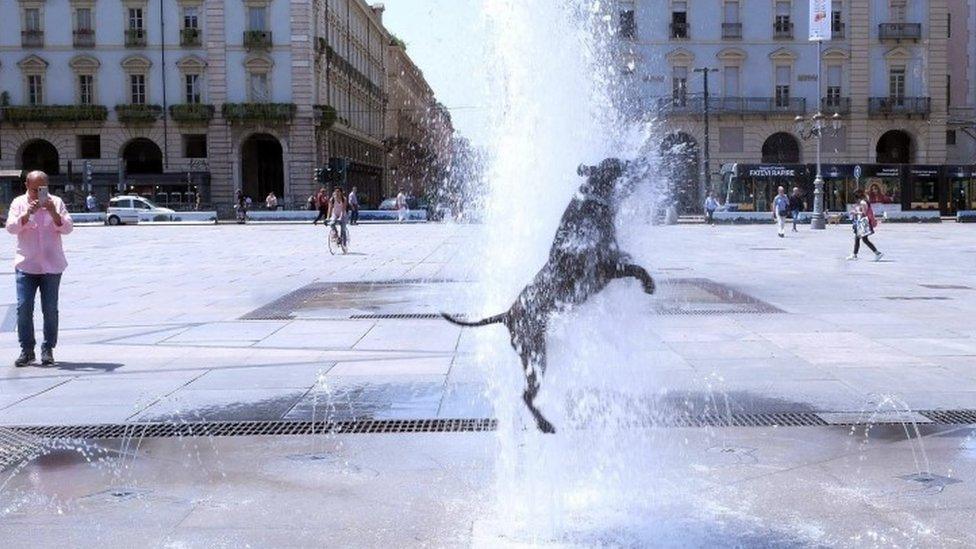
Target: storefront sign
point(820, 20)
point(771, 171)
point(924, 172)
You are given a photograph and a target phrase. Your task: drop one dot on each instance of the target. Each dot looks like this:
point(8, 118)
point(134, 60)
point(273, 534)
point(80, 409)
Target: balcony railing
point(899, 106)
point(733, 106)
point(257, 39)
point(190, 37)
point(679, 30)
point(783, 30)
point(84, 38)
point(900, 31)
point(135, 38)
point(839, 105)
point(54, 114)
point(732, 31)
point(138, 114)
point(191, 113)
point(258, 112)
point(32, 39)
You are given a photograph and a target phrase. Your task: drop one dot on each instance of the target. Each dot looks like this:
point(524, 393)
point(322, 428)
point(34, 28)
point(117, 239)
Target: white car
point(133, 209)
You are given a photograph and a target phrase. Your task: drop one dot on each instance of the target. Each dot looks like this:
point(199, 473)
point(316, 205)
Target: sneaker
point(47, 356)
point(878, 256)
point(781, 235)
point(25, 358)
point(852, 257)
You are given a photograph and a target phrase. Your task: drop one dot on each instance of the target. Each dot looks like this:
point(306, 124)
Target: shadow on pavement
point(83, 366)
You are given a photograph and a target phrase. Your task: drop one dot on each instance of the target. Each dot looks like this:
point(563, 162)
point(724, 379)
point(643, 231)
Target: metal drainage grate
point(703, 296)
point(16, 447)
point(945, 286)
point(773, 419)
point(918, 298)
point(398, 316)
point(951, 417)
point(257, 428)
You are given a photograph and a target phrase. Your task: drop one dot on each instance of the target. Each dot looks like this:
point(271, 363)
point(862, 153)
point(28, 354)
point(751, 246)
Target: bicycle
point(337, 241)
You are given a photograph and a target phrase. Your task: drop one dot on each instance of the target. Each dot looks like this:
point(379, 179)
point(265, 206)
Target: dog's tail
point(484, 322)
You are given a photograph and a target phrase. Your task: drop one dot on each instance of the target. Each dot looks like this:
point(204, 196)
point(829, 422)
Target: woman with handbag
point(864, 225)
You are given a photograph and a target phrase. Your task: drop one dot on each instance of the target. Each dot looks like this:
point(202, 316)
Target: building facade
point(886, 72)
point(174, 98)
point(418, 128)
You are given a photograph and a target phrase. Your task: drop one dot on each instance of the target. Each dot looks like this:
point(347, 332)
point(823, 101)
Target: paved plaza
point(177, 324)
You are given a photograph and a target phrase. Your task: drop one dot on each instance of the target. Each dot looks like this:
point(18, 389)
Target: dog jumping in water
point(584, 258)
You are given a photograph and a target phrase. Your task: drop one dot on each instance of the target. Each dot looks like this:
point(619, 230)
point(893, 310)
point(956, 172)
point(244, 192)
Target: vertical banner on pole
point(820, 20)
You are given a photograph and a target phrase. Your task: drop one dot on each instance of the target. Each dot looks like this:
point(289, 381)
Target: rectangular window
point(83, 20)
point(35, 89)
point(259, 88)
point(32, 19)
point(731, 12)
point(948, 90)
point(256, 18)
point(836, 21)
point(783, 80)
point(628, 26)
point(896, 85)
point(730, 82)
point(679, 20)
point(90, 146)
point(195, 145)
point(949, 25)
point(950, 137)
point(834, 85)
point(137, 89)
point(192, 82)
point(86, 89)
point(897, 11)
point(135, 19)
point(782, 25)
point(679, 86)
point(191, 17)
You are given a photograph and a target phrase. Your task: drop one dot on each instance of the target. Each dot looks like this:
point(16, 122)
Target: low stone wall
point(754, 218)
point(966, 216)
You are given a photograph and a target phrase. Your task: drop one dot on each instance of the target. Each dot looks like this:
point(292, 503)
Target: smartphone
point(42, 195)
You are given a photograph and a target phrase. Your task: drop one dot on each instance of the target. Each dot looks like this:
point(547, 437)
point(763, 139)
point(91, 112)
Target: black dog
point(584, 258)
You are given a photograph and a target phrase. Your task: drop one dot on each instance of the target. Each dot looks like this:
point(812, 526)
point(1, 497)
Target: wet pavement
point(289, 335)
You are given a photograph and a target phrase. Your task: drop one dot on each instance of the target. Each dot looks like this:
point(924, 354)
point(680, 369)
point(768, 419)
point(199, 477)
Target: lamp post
point(707, 174)
point(815, 127)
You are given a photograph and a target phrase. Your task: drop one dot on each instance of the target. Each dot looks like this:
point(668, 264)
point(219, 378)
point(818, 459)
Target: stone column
point(301, 135)
point(220, 151)
point(935, 45)
point(859, 31)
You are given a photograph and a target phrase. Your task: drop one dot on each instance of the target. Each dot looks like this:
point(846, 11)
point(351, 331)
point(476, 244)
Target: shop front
point(839, 186)
point(753, 186)
point(959, 190)
point(883, 185)
point(923, 182)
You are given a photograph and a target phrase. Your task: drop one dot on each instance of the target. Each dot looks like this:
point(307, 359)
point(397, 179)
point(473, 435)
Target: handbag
point(863, 227)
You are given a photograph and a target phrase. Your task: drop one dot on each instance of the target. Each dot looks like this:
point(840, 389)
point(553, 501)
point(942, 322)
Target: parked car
point(133, 209)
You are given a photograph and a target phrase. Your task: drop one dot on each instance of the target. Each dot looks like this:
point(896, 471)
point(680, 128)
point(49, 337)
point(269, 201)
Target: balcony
point(32, 39)
point(783, 30)
point(135, 38)
point(898, 32)
point(325, 116)
point(679, 31)
point(84, 38)
point(838, 30)
point(192, 113)
point(839, 105)
point(732, 106)
point(258, 112)
point(138, 114)
point(731, 31)
point(190, 38)
point(899, 106)
point(54, 114)
point(257, 40)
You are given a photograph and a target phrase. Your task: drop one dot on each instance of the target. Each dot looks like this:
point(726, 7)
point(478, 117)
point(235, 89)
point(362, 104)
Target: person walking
point(796, 206)
point(711, 204)
point(322, 203)
point(90, 203)
point(38, 223)
point(781, 206)
point(271, 202)
point(864, 225)
point(353, 207)
point(241, 207)
point(401, 206)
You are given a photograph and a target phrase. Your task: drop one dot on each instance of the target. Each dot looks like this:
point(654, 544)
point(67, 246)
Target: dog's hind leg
point(636, 271)
point(533, 361)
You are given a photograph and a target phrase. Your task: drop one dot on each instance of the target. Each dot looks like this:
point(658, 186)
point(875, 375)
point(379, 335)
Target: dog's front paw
point(545, 426)
point(649, 286)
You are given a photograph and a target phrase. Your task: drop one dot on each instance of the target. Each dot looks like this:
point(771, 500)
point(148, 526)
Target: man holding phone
point(38, 218)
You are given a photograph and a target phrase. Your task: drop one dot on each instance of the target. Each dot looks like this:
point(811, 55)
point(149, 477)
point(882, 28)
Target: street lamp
point(815, 127)
point(706, 176)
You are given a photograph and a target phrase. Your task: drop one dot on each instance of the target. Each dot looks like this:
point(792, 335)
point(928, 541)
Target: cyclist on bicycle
point(338, 208)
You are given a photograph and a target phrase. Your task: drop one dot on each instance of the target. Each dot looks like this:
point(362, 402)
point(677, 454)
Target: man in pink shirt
point(38, 263)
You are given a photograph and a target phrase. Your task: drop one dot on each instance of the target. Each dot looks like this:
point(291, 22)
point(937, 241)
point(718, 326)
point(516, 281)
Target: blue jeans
point(27, 286)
